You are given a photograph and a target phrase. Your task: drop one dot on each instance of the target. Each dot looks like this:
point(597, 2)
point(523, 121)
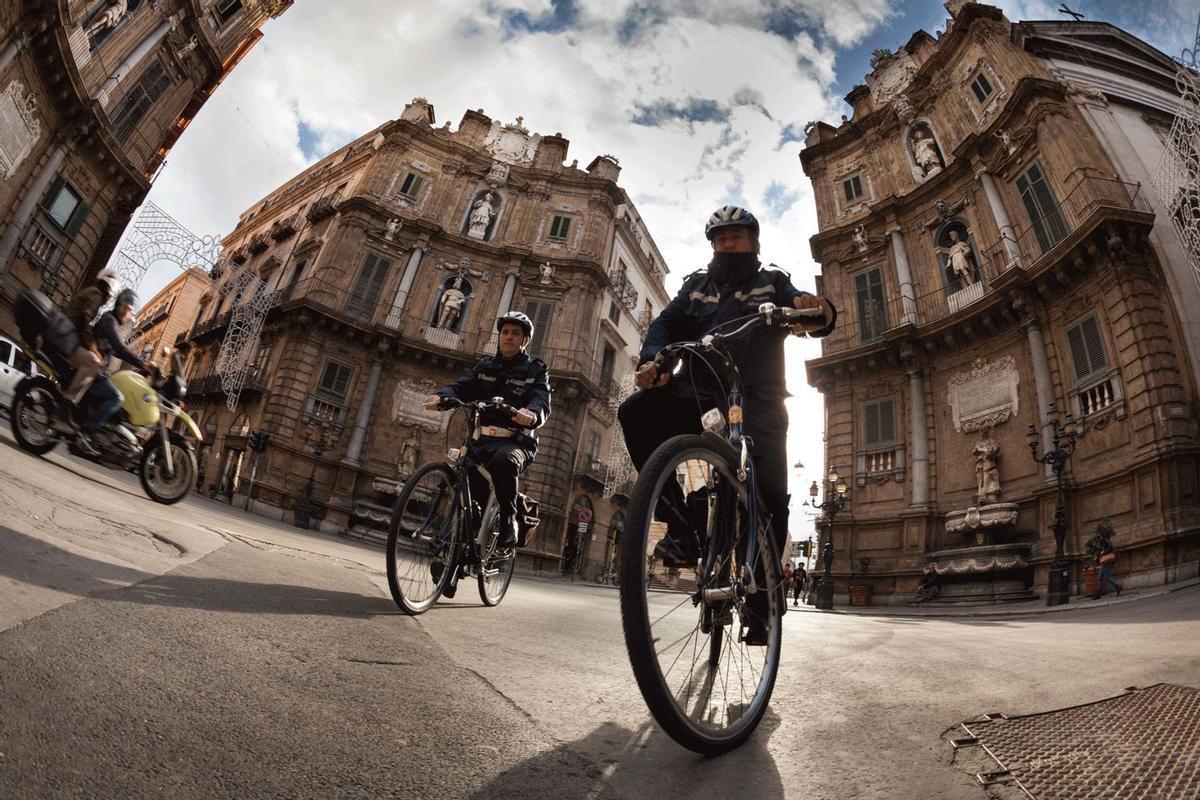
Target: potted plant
point(1094, 547)
point(860, 590)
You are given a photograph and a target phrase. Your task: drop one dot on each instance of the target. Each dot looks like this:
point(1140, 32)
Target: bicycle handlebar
point(496, 404)
point(768, 314)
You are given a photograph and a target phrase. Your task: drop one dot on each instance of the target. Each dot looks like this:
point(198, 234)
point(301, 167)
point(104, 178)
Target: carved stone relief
point(407, 406)
point(511, 144)
point(19, 128)
point(984, 396)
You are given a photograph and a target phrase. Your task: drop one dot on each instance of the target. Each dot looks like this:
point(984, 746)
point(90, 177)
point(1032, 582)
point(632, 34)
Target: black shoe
point(755, 635)
point(435, 569)
point(506, 529)
point(83, 444)
point(450, 590)
point(1118, 591)
point(676, 549)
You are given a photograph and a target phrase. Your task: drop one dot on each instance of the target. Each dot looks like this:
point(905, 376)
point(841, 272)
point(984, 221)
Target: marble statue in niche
point(409, 454)
point(956, 254)
point(926, 155)
point(987, 474)
point(480, 218)
point(860, 238)
point(392, 227)
point(547, 270)
point(109, 17)
point(961, 259)
point(452, 302)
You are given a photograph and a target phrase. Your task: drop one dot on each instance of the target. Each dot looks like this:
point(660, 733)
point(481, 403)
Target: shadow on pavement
point(614, 762)
point(25, 559)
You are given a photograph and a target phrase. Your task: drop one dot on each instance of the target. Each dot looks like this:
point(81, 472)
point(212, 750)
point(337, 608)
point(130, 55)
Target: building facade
point(172, 311)
point(378, 274)
point(1001, 263)
point(93, 95)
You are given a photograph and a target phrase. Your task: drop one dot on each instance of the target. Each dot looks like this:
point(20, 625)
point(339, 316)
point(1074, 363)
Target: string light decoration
point(1177, 179)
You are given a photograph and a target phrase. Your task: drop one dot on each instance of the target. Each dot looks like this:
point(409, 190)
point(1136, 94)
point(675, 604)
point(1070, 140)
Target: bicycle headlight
point(713, 420)
point(452, 454)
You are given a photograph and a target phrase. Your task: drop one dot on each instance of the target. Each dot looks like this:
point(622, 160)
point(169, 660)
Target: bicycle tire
point(487, 556)
point(448, 532)
point(640, 639)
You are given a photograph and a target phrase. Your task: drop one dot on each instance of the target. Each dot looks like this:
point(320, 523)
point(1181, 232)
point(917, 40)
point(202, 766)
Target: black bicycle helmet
point(516, 318)
point(126, 297)
point(728, 216)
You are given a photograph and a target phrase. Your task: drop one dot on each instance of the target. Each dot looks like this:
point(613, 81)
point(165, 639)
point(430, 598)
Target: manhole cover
point(1142, 744)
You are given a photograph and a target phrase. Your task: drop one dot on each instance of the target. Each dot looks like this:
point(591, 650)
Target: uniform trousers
point(650, 417)
point(504, 459)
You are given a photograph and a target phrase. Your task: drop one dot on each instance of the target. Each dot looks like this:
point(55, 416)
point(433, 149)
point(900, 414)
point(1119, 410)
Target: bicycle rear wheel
point(423, 538)
point(686, 627)
point(495, 564)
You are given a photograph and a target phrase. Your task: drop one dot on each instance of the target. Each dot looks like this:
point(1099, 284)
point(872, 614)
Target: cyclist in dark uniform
point(505, 445)
point(733, 285)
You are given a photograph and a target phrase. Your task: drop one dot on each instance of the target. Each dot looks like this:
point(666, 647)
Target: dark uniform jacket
point(702, 304)
point(522, 381)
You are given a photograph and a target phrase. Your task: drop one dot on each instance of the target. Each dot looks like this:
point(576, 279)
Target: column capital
point(1030, 324)
point(980, 170)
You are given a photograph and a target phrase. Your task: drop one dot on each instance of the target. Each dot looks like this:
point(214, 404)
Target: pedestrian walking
point(1106, 557)
point(799, 579)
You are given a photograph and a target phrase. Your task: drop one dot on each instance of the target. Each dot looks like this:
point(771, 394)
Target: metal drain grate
point(1142, 744)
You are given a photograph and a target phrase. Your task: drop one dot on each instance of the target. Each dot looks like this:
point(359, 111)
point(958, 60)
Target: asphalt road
point(197, 652)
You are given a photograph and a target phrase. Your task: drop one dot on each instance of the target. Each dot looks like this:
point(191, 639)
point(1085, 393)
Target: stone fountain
point(990, 566)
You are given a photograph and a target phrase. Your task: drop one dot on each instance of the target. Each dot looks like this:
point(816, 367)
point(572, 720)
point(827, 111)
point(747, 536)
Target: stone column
point(506, 296)
point(24, 212)
point(1041, 379)
point(15, 44)
point(104, 93)
point(395, 316)
point(919, 434)
point(1007, 234)
point(908, 299)
point(365, 407)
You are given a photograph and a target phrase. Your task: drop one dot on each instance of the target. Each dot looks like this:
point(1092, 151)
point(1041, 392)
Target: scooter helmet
point(729, 216)
point(516, 318)
point(110, 279)
point(126, 297)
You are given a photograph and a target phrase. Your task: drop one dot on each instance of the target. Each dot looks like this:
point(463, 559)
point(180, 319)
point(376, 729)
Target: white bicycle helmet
point(729, 216)
point(111, 280)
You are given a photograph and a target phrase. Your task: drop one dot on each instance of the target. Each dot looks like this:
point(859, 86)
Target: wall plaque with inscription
point(984, 396)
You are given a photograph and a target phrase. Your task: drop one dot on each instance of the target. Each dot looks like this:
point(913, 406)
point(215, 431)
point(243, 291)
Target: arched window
point(957, 256)
point(452, 304)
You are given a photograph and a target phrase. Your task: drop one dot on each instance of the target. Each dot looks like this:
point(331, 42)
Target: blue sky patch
point(310, 141)
point(692, 110)
point(563, 14)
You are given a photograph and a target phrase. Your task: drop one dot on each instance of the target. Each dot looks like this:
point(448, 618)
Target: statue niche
point(924, 152)
point(481, 217)
point(452, 301)
point(957, 256)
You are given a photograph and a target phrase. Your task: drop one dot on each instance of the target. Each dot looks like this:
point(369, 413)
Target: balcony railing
point(285, 227)
point(592, 467)
point(324, 207)
point(870, 320)
point(623, 290)
point(259, 243)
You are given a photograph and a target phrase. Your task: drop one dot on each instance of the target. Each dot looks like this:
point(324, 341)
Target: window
point(541, 312)
point(411, 188)
point(336, 379)
point(1087, 350)
point(367, 286)
point(852, 188)
point(879, 423)
point(608, 362)
point(138, 102)
point(227, 9)
point(5, 353)
point(593, 448)
point(880, 454)
point(64, 206)
point(981, 87)
point(614, 312)
point(559, 227)
point(872, 311)
point(1044, 215)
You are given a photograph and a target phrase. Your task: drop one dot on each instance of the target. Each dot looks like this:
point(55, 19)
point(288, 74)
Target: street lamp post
point(320, 434)
point(1062, 444)
point(835, 500)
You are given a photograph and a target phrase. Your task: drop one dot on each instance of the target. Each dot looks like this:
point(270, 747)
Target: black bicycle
point(704, 637)
point(439, 534)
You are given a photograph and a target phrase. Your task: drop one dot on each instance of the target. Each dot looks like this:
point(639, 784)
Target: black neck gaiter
point(732, 268)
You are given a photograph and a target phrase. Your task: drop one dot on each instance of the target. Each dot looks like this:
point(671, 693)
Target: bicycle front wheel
point(423, 538)
point(704, 635)
point(496, 563)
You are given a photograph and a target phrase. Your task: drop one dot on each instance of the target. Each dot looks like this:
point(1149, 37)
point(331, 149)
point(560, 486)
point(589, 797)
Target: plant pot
point(860, 595)
point(1091, 577)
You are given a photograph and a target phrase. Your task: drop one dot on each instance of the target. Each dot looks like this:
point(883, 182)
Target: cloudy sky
point(702, 101)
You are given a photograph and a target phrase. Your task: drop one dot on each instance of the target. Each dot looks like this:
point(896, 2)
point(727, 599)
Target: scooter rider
point(103, 396)
point(733, 285)
point(505, 445)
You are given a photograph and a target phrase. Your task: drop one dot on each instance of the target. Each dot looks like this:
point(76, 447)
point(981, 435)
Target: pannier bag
point(527, 518)
point(36, 315)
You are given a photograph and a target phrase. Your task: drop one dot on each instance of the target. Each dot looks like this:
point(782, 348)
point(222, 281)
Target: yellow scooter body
point(138, 398)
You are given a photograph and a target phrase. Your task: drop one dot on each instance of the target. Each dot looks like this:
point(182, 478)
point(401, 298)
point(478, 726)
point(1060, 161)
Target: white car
point(14, 367)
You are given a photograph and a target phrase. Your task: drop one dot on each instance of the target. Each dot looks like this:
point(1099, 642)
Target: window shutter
point(1094, 342)
point(540, 313)
point(887, 421)
point(77, 218)
point(879, 423)
point(368, 286)
point(871, 424)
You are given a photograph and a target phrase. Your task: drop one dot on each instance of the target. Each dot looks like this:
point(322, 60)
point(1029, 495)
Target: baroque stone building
point(988, 228)
point(169, 313)
point(93, 95)
point(380, 271)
